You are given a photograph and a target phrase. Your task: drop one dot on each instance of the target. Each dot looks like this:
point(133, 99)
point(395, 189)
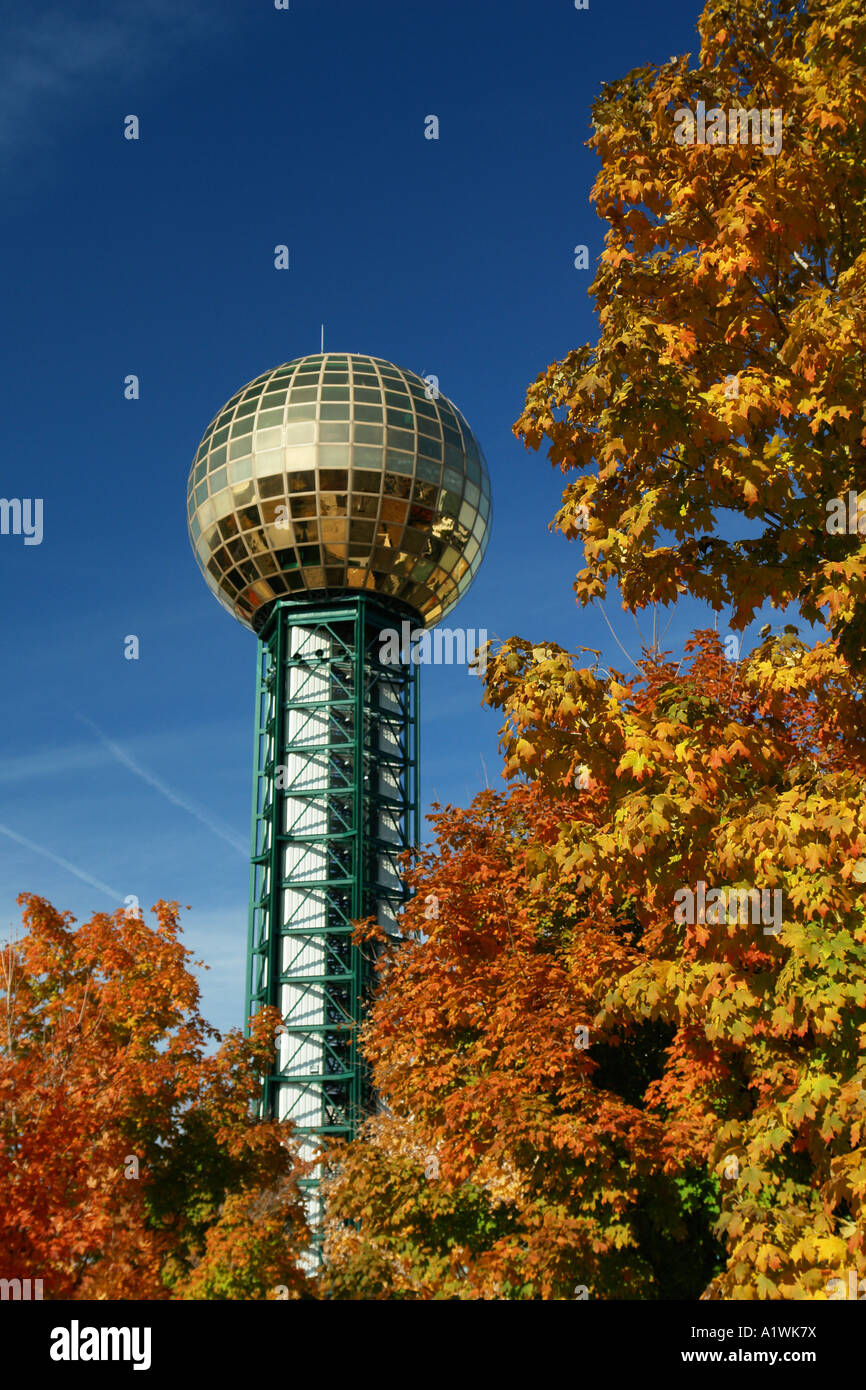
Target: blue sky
point(155, 257)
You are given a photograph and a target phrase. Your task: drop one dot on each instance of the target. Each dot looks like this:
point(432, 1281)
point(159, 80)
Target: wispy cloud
point(51, 762)
point(53, 56)
point(66, 759)
point(63, 863)
point(165, 790)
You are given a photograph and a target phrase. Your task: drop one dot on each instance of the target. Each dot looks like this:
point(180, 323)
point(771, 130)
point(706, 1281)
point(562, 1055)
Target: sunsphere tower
point(329, 501)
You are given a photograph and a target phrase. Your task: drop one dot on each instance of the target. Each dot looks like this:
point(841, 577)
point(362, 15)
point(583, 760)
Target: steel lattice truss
point(335, 803)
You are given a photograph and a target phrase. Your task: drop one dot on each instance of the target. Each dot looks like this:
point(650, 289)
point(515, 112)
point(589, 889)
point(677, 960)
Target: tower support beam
point(335, 803)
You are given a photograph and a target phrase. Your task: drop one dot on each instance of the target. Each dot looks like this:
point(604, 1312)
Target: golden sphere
point(335, 473)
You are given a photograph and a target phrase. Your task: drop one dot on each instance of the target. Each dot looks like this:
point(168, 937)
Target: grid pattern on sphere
point(336, 471)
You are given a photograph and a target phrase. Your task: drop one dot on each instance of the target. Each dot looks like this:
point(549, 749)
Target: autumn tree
point(716, 428)
point(515, 1160)
point(748, 779)
point(705, 1135)
point(132, 1163)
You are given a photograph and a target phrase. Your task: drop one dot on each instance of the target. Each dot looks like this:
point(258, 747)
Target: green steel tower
point(333, 503)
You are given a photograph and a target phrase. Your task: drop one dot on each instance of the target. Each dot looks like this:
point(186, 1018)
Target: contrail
point(123, 757)
point(64, 863)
